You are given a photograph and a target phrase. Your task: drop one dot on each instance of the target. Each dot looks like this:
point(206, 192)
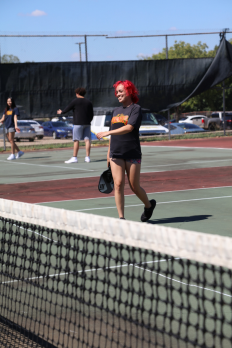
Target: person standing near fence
point(10, 118)
point(82, 117)
point(124, 153)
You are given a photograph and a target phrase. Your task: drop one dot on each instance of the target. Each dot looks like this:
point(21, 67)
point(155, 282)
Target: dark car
point(57, 129)
point(228, 121)
point(183, 128)
point(40, 121)
point(161, 119)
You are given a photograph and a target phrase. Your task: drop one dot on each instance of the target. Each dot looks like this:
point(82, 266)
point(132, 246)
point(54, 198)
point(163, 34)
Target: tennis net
point(69, 279)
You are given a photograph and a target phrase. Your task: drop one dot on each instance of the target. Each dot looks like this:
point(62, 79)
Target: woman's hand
point(108, 161)
point(59, 112)
point(102, 135)
point(17, 129)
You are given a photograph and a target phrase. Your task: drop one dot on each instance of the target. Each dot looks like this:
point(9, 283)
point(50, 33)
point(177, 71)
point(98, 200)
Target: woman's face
point(9, 102)
point(121, 94)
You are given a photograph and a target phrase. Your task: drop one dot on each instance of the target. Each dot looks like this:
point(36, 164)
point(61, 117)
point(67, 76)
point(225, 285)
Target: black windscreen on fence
point(42, 88)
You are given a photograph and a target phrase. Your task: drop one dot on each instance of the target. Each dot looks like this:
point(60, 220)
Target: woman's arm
point(120, 131)
point(108, 156)
point(15, 122)
point(3, 118)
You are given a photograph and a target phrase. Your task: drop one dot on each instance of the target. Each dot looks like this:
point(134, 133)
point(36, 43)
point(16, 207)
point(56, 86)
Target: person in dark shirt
point(82, 117)
point(124, 153)
point(10, 121)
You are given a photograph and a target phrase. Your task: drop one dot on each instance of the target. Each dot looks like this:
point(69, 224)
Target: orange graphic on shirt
point(9, 112)
point(120, 118)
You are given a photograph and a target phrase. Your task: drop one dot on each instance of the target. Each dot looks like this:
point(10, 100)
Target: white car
point(198, 120)
point(39, 130)
point(102, 119)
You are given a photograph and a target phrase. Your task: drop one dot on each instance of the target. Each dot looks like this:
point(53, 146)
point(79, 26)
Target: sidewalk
point(44, 141)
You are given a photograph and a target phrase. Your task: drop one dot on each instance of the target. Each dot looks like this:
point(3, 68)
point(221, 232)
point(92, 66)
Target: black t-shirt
point(82, 111)
point(126, 146)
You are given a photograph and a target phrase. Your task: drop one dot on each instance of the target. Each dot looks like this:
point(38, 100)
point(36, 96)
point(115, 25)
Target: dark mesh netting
point(60, 289)
point(42, 88)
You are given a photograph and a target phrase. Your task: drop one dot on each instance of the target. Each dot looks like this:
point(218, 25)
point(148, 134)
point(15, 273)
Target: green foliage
point(9, 58)
point(210, 100)
point(183, 49)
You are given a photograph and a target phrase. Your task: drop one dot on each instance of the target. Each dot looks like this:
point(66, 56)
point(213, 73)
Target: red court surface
point(223, 143)
point(84, 188)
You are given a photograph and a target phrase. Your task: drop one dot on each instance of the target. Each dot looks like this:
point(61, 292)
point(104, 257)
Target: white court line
point(148, 193)
point(113, 267)
point(187, 284)
point(188, 147)
point(45, 165)
point(183, 200)
point(125, 265)
point(181, 164)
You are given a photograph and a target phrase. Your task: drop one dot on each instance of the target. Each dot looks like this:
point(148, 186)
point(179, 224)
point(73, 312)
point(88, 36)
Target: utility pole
point(169, 127)
point(166, 47)
point(80, 43)
point(86, 52)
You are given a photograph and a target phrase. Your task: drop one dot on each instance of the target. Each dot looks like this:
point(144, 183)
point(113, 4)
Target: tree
point(9, 58)
point(183, 49)
point(209, 100)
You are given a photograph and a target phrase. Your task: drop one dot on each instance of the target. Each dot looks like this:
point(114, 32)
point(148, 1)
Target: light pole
point(80, 43)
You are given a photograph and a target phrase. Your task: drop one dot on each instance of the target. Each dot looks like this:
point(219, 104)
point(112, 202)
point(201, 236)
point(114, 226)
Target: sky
point(107, 17)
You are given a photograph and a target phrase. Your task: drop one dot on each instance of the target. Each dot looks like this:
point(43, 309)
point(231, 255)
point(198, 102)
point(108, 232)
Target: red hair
point(130, 89)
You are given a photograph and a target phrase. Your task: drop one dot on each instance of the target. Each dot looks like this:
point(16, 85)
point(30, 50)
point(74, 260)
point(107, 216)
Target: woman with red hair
point(124, 153)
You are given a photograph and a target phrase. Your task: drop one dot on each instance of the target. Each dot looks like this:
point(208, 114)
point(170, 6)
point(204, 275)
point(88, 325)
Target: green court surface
point(201, 210)
point(192, 290)
point(49, 165)
point(205, 210)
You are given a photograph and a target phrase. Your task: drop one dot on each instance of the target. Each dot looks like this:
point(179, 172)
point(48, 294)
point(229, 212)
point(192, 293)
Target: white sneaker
point(11, 157)
point(72, 160)
point(87, 159)
point(19, 154)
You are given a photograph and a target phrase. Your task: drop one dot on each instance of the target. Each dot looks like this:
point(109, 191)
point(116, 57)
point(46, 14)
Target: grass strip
point(106, 142)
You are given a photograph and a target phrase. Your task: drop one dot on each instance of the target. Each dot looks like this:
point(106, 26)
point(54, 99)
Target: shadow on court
point(179, 219)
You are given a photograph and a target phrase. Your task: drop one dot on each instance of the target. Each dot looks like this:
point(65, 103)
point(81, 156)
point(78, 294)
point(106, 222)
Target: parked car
point(37, 127)
point(26, 131)
point(183, 128)
point(196, 119)
point(40, 121)
point(212, 122)
point(219, 114)
point(102, 119)
point(58, 129)
point(161, 119)
point(228, 121)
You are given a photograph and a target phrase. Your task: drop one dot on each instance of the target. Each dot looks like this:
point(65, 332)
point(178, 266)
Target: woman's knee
point(118, 185)
point(135, 188)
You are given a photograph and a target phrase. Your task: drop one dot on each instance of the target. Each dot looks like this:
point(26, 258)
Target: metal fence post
point(4, 136)
point(169, 134)
point(224, 107)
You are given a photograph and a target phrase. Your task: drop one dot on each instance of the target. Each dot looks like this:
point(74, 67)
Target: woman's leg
point(10, 137)
point(14, 147)
point(133, 174)
point(118, 172)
